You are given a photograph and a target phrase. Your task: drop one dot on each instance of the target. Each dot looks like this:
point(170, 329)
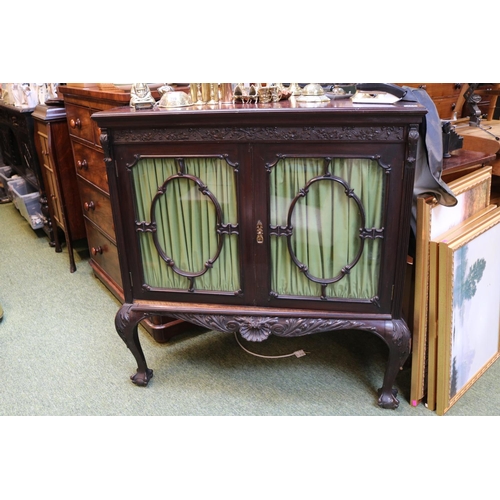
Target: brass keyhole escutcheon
point(260, 232)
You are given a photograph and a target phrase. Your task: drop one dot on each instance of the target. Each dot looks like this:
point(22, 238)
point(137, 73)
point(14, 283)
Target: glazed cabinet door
point(328, 217)
point(264, 225)
point(185, 221)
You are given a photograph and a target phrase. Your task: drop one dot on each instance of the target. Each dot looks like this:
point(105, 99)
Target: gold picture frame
point(468, 308)
point(434, 297)
point(473, 195)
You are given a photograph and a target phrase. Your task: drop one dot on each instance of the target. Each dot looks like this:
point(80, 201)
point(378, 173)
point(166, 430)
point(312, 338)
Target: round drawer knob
point(82, 164)
point(75, 123)
point(96, 250)
point(89, 205)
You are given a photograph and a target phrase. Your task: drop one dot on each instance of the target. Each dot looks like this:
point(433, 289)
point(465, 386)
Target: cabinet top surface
point(95, 92)
point(275, 113)
point(48, 113)
point(15, 109)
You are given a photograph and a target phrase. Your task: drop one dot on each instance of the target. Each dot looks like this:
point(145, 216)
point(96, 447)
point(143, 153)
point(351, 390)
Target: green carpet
point(61, 356)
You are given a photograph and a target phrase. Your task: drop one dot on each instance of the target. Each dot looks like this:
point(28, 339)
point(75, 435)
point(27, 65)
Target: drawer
point(90, 165)
point(80, 123)
point(96, 206)
point(103, 252)
point(436, 90)
point(446, 106)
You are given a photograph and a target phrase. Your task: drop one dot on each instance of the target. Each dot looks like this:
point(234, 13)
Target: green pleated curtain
point(187, 223)
point(325, 224)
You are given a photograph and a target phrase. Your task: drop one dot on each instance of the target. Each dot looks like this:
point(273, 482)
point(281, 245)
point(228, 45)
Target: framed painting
point(435, 287)
point(433, 220)
point(468, 309)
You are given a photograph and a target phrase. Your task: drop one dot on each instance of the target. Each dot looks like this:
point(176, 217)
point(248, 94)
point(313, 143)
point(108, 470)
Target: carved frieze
point(259, 328)
point(243, 134)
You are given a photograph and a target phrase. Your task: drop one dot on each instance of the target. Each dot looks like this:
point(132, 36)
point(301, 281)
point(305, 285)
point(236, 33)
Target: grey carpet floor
point(61, 356)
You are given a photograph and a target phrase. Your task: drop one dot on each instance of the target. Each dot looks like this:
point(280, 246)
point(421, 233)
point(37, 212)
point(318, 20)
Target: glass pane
point(326, 225)
point(187, 217)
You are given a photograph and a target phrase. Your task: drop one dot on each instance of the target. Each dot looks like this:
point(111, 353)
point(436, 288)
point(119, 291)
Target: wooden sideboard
point(263, 219)
point(85, 136)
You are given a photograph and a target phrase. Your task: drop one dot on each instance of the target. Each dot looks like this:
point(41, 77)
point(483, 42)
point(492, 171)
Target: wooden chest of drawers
point(92, 180)
point(56, 160)
point(81, 103)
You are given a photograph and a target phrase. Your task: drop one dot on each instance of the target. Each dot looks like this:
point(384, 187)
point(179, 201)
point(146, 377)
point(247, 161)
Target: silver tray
point(347, 95)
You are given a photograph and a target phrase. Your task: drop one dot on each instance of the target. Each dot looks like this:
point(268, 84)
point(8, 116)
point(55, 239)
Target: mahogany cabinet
point(56, 160)
point(88, 161)
point(269, 219)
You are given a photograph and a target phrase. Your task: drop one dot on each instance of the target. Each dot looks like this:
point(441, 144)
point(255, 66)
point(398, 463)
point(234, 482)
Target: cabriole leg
point(398, 338)
point(126, 322)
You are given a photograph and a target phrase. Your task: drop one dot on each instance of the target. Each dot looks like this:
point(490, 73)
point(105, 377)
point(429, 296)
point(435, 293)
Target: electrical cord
point(297, 354)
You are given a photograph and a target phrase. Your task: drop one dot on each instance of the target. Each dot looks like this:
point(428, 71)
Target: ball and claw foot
point(388, 401)
point(141, 378)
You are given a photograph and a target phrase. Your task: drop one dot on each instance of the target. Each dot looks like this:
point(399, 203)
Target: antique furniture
point(88, 158)
point(264, 219)
point(448, 97)
point(56, 160)
point(464, 161)
point(450, 101)
point(476, 139)
point(17, 141)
